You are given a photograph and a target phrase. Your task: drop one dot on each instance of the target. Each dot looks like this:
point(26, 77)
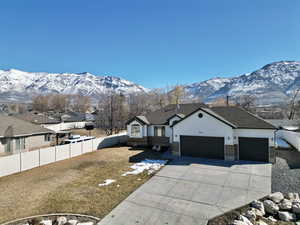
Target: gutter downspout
point(275, 144)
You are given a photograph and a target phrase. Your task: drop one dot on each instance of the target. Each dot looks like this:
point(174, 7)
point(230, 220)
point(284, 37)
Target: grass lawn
point(96, 132)
point(72, 185)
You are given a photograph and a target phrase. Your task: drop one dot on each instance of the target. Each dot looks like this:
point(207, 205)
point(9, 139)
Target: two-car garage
point(249, 149)
point(227, 133)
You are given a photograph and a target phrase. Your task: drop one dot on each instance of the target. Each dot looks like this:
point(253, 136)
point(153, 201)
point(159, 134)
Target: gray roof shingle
point(241, 118)
point(18, 127)
point(161, 116)
point(232, 115)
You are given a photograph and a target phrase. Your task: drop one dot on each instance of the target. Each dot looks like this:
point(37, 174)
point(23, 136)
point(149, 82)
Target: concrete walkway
point(192, 191)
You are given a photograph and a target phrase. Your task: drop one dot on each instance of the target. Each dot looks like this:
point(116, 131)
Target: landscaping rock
point(258, 205)
point(271, 207)
point(286, 216)
point(245, 220)
point(46, 222)
point(276, 197)
point(35, 221)
point(285, 204)
point(260, 222)
point(73, 222)
point(86, 223)
point(238, 222)
point(294, 197)
point(252, 213)
point(61, 220)
point(296, 207)
point(271, 218)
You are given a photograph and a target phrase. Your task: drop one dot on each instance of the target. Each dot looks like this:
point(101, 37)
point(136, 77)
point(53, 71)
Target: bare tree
point(247, 102)
point(176, 95)
point(113, 112)
point(60, 102)
point(81, 103)
point(40, 103)
point(293, 105)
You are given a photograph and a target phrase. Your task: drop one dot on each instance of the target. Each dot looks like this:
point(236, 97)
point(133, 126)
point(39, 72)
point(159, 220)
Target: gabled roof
point(73, 117)
point(141, 119)
point(180, 115)
point(235, 117)
point(12, 126)
point(209, 112)
point(241, 118)
point(161, 116)
point(38, 118)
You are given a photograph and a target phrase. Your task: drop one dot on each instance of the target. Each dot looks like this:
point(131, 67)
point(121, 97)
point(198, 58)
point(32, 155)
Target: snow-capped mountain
point(16, 85)
point(272, 83)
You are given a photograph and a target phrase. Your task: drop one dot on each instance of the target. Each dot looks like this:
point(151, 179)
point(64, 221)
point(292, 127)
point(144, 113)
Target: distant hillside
point(271, 84)
point(20, 86)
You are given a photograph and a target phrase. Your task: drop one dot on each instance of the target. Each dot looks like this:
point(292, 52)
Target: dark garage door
point(205, 147)
point(254, 149)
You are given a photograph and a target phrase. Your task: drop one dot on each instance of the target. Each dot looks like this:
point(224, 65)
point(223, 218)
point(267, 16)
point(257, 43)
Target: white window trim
point(136, 134)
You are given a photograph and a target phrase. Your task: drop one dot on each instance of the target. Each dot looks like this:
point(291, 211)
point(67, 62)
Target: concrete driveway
point(191, 191)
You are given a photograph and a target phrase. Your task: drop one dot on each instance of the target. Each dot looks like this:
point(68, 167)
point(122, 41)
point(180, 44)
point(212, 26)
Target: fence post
point(20, 161)
point(92, 145)
point(70, 150)
point(82, 147)
point(55, 153)
point(39, 157)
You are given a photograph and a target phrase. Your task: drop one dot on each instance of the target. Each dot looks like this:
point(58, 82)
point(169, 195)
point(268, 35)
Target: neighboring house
point(197, 130)
point(73, 117)
point(38, 118)
point(18, 135)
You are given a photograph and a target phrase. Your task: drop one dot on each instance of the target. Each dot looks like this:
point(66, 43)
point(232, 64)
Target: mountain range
point(20, 86)
point(271, 84)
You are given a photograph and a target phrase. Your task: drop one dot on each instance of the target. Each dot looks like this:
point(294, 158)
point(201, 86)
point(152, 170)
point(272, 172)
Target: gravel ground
point(285, 179)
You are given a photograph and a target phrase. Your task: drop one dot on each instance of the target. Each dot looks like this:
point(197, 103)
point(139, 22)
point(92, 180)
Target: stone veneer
point(230, 152)
point(175, 148)
point(272, 154)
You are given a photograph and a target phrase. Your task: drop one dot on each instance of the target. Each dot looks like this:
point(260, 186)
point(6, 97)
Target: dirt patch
point(71, 186)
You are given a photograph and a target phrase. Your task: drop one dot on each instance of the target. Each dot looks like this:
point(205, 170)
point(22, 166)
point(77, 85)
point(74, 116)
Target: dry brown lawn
point(72, 185)
point(96, 132)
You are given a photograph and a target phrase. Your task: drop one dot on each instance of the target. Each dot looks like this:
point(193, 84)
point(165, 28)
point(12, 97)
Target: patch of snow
point(151, 165)
point(107, 182)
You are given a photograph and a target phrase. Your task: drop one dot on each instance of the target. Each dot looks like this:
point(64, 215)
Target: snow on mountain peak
point(25, 84)
point(275, 80)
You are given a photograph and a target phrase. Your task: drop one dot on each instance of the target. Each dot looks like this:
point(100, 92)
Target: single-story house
point(38, 118)
point(18, 135)
point(197, 130)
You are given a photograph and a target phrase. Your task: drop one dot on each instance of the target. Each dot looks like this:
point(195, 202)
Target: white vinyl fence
point(291, 137)
point(65, 126)
point(28, 160)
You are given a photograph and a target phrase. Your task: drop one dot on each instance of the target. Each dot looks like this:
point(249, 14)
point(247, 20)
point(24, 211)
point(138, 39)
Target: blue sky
point(154, 43)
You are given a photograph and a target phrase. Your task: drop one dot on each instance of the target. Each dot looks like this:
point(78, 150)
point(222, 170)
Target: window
point(20, 143)
point(159, 131)
point(135, 130)
point(47, 137)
